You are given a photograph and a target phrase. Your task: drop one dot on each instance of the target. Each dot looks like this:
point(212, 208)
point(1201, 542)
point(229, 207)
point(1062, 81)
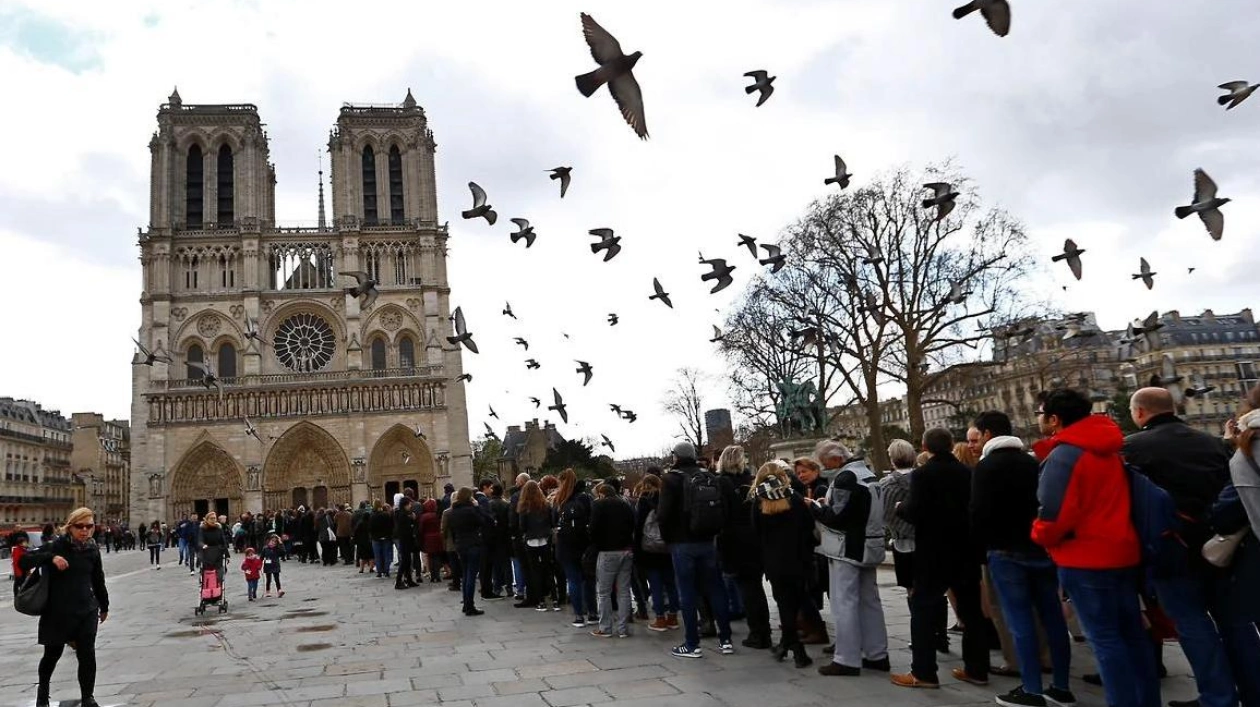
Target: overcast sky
point(1086, 122)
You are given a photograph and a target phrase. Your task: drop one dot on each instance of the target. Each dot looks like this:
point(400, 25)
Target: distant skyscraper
point(717, 426)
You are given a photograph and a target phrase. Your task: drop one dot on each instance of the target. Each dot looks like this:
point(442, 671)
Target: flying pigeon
point(480, 208)
point(613, 319)
point(493, 414)
point(720, 271)
point(774, 258)
point(489, 432)
point(873, 255)
point(507, 310)
point(522, 342)
point(365, 287)
point(1072, 255)
point(419, 431)
point(585, 369)
point(252, 431)
point(209, 378)
point(661, 294)
point(957, 295)
point(1148, 325)
point(608, 442)
point(615, 70)
point(808, 335)
point(629, 416)
point(749, 242)
point(252, 332)
point(532, 365)
point(462, 335)
point(1189, 271)
point(1168, 378)
point(717, 335)
point(995, 12)
point(562, 173)
point(525, 231)
point(536, 402)
point(149, 356)
point(1145, 275)
point(1239, 91)
point(467, 377)
point(1206, 204)
point(762, 81)
point(608, 242)
point(842, 174)
point(943, 198)
point(559, 406)
point(1198, 386)
point(1075, 331)
point(615, 408)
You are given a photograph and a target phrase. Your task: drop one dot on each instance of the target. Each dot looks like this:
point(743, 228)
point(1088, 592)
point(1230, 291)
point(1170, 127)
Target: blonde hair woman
point(77, 601)
point(784, 528)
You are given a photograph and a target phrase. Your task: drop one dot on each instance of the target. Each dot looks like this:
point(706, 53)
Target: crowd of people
point(1033, 547)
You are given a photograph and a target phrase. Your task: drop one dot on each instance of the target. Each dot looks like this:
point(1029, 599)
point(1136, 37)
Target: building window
point(194, 356)
point(226, 182)
point(406, 353)
point(400, 266)
point(190, 273)
point(227, 271)
point(227, 361)
point(369, 187)
point(378, 354)
point(372, 264)
point(193, 192)
point(395, 186)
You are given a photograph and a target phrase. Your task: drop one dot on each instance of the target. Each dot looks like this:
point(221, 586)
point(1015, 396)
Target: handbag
point(32, 597)
point(1219, 550)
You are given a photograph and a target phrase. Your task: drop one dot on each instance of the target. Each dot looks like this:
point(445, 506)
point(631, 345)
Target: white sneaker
point(159, 566)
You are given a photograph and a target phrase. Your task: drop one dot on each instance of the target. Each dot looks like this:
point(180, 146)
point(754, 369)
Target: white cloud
point(1079, 131)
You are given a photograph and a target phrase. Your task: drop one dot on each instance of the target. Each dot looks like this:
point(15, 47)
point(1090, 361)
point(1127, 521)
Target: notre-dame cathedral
point(350, 404)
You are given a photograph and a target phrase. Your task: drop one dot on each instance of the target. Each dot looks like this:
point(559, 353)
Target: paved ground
point(342, 639)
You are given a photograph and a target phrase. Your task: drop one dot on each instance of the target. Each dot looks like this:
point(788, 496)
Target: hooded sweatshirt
point(1085, 517)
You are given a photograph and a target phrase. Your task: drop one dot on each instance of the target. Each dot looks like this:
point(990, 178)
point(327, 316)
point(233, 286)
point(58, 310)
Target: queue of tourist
point(1118, 542)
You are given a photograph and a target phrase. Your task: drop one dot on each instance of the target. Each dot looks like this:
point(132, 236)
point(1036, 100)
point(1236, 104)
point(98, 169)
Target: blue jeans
point(183, 550)
point(662, 586)
point(383, 553)
point(252, 584)
point(470, 558)
point(1185, 602)
point(1025, 585)
point(575, 582)
point(695, 566)
point(1106, 603)
point(1242, 645)
point(518, 572)
point(734, 600)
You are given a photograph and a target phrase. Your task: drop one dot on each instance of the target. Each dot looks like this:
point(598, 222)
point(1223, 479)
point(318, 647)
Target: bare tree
point(686, 404)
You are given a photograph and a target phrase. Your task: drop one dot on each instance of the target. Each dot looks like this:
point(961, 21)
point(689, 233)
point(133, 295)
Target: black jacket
point(1192, 466)
point(500, 536)
point(939, 507)
point(404, 527)
point(612, 524)
point(535, 525)
point(738, 538)
point(466, 522)
point(73, 593)
point(784, 541)
point(1004, 502)
point(381, 525)
point(573, 520)
point(671, 511)
point(1236, 589)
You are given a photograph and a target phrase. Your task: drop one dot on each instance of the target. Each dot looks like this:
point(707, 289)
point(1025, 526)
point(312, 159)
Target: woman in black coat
point(213, 545)
point(737, 546)
point(1237, 610)
point(77, 602)
point(467, 524)
point(784, 528)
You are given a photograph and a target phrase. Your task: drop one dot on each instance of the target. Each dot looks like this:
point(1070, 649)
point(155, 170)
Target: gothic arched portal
point(308, 459)
point(401, 459)
point(206, 479)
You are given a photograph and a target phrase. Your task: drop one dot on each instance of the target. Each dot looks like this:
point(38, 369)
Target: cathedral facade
point(349, 404)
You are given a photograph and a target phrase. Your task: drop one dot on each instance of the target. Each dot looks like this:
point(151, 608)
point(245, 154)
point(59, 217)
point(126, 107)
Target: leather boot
point(815, 633)
point(800, 657)
point(41, 696)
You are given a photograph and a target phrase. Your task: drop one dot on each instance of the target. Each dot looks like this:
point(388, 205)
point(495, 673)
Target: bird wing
point(370, 299)
point(1214, 220)
point(358, 275)
point(998, 15)
point(629, 97)
point(1069, 246)
point(656, 285)
point(205, 369)
point(520, 223)
point(940, 188)
point(1233, 86)
point(604, 46)
point(1145, 267)
point(613, 250)
point(555, 394)
point(143, 350)
point(717, 333)
point(771, 250)
point(1204, 187)
point(1074, 263)
point(943, 210)
point(759, 75)
point(460, 327)
point(604, 233)
point(479, 195)
point(841, 167)
point(564, 183)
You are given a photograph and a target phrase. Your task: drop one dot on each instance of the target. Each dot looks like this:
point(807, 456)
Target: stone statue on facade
point(254, 478)
point(155, 485)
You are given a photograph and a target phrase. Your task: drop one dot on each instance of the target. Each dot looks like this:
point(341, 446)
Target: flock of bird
point(615, 70)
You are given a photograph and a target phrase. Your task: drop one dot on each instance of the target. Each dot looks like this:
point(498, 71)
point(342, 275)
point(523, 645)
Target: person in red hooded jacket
point(1085, 524)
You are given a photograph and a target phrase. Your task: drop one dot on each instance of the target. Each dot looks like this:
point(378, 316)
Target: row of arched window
point(194, 189)
point(379, 355)
point(371, 213)
point(224, 361)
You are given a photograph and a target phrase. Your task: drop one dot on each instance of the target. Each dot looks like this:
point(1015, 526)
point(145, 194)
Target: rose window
point(304, 343)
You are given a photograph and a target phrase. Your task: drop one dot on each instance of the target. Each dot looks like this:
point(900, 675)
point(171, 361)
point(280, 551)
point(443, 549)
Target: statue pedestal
point(789, 449)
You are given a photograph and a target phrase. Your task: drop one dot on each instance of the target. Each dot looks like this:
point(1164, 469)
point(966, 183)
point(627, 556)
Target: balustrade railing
point(269, 379)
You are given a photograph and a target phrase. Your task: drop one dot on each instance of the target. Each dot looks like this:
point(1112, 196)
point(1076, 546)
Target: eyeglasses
point(1040, 413)
point(83, 526)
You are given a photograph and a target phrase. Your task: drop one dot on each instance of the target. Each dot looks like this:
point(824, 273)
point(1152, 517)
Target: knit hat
point(685, 450)
point(773, 489)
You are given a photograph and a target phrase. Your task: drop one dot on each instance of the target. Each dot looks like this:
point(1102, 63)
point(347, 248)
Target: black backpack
point(706, 513)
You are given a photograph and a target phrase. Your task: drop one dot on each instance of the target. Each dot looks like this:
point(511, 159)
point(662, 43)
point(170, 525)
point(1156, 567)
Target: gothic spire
point(323, 226)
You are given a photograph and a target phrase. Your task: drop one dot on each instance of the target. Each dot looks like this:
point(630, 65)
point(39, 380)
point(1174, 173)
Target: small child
point(252, 565)
point(19, 540)
point(271, 564)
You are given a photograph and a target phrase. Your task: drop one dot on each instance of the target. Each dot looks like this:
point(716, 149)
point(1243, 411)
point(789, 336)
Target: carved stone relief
point(208, 325)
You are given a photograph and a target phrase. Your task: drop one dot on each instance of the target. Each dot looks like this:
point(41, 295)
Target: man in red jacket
point(1085, 524)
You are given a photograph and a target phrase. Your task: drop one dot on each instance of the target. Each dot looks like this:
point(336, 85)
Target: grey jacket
point(1247, 480)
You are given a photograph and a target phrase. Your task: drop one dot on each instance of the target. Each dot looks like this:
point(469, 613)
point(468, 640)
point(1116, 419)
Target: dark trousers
point(470, 559)
point(486, 570)
point(540, 573)
point(346, 545)
point(789, 594)
point(756, 610)
point(457, 568)
point(926, 605)
point(85, 650)
point(404, 563)
point(638, 585)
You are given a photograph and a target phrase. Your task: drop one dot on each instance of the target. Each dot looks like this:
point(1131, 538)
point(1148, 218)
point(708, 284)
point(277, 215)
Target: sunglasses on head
point(83, 526)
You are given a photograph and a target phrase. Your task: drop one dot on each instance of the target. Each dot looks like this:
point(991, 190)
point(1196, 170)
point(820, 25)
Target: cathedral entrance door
point(207, 480)
point(299, 497)
point(221, 507)
point(201, 507)
point(400, 460)
point(319, 497)
point(308, 465)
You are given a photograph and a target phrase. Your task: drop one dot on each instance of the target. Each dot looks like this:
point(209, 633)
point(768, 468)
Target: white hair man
point(853, 543)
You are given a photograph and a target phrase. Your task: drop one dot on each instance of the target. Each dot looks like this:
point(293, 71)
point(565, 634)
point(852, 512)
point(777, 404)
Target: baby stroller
point(211, 584)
